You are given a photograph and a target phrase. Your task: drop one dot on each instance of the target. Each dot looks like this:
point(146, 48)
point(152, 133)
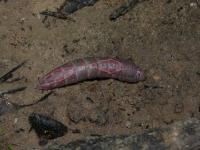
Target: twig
point(38, 101)
point(152, 87)
point(123, 9)
point(14, 79)
point(56, 15)
point(7, 107)
point(7, 75)
point(11, 91)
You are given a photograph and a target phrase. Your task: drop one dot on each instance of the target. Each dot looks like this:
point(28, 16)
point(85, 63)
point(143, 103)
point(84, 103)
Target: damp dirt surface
point(161, 36)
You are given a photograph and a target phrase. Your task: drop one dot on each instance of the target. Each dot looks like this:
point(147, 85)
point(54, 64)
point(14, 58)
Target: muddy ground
point(161, 36)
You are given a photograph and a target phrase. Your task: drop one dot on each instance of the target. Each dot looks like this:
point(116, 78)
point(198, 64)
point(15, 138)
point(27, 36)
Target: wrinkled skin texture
point(91, 68)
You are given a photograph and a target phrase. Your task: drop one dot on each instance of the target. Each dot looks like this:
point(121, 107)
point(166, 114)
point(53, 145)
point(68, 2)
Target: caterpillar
point(91, 68)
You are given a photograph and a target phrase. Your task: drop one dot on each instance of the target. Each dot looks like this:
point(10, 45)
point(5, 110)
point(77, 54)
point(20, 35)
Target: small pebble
point(193, 5)
point(15, 120)
point(156, 77)
point(128, 124)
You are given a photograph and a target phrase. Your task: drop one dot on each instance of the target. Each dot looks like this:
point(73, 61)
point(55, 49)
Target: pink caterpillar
point(91, 68)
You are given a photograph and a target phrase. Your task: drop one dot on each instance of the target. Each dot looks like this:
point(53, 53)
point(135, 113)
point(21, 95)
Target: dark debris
point(46, 127)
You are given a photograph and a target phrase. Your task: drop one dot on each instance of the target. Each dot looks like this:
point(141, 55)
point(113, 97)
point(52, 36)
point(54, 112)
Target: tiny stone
point(156, 77)
point(193, 5)
point(128, 124)
point(15, 120)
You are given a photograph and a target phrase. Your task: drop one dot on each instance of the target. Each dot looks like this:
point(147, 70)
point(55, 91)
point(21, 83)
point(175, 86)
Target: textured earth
point(161, 36)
